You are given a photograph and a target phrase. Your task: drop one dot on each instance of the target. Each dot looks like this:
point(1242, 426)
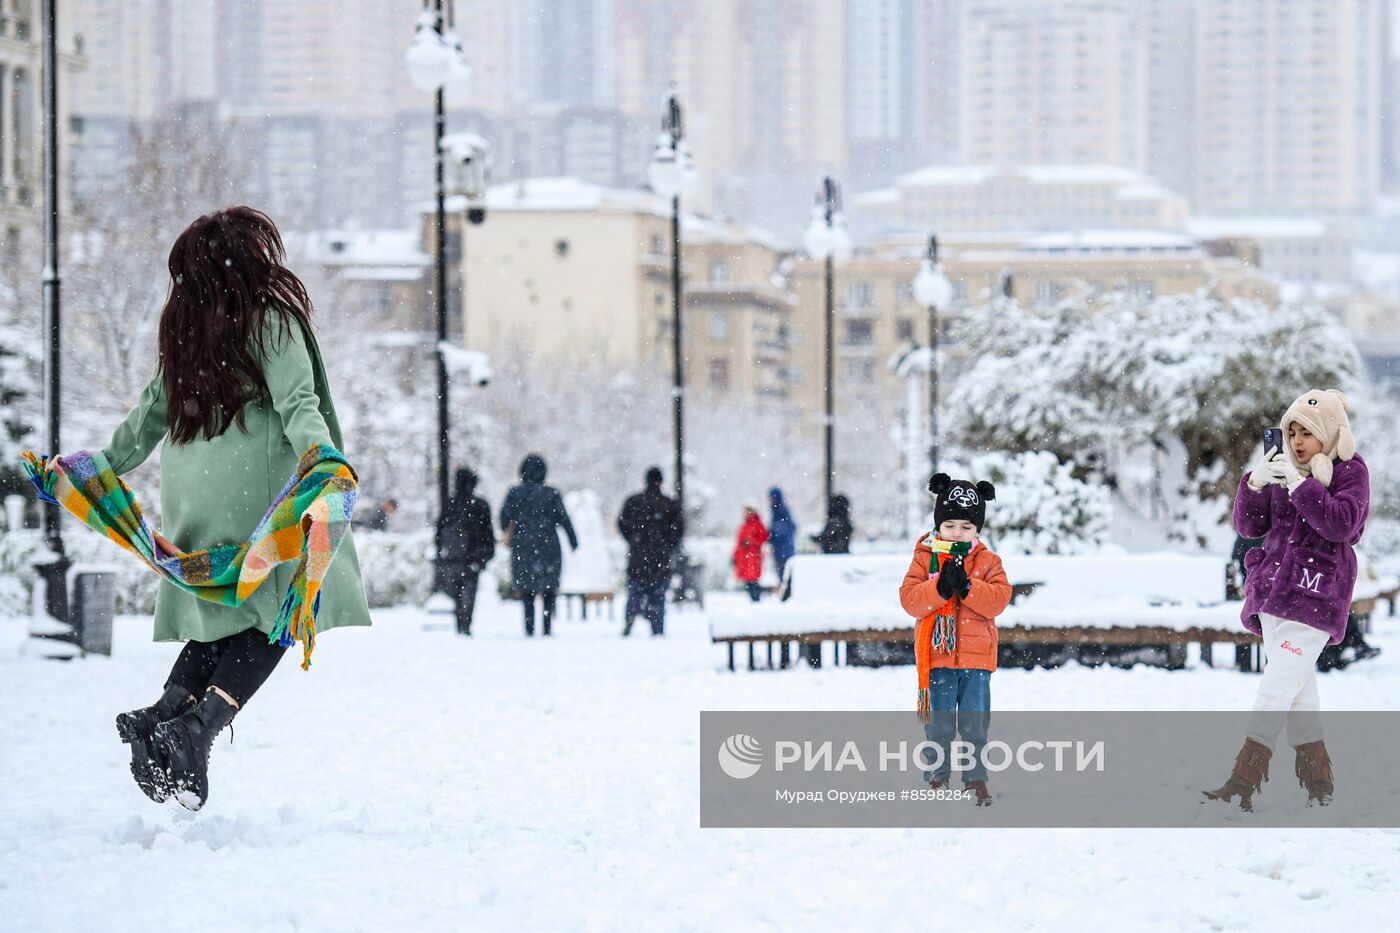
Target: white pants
point(1288, 686)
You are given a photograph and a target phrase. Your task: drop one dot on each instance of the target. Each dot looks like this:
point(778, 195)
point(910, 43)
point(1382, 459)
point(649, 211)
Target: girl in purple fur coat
point(1311, 501)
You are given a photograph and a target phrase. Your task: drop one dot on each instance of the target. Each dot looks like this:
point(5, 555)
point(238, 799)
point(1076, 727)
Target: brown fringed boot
point(1314, 770)
point(1251, 770)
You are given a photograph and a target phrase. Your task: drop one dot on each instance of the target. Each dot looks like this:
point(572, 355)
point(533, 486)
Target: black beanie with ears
point(960, 499)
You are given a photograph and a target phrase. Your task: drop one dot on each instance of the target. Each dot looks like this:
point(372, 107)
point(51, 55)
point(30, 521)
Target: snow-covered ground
point(414, 780)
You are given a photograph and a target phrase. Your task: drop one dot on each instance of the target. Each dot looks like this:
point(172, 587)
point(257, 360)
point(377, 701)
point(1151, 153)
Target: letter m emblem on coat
point(1311, 581)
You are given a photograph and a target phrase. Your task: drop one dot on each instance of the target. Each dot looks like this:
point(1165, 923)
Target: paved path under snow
point(417, 781)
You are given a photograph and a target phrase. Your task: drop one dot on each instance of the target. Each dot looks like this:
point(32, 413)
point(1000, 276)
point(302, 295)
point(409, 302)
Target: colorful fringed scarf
point(945, 630)
point(306, 523)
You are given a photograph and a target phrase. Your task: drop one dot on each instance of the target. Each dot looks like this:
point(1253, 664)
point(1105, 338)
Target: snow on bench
point(861, 593)
point(1131, 599)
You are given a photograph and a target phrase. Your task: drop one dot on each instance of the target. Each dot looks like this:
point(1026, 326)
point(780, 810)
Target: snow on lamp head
point(457, 83)
point(428, 58)
point(931, 287)
point(666, 171)
point(823, 240)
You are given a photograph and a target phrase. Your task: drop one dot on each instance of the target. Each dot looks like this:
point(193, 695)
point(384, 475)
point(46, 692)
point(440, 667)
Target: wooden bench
point(584, 600)
point(1017, 646)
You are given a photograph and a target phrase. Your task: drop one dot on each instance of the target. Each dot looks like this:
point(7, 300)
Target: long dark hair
point(226, 277)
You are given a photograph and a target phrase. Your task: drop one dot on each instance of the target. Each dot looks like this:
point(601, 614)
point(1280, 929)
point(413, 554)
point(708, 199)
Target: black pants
point(548, 598)
point(459, 581)
point(237, 665)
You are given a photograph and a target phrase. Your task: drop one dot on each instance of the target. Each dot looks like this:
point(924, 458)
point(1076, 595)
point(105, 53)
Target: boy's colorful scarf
point(945, 631)
point(306, 523)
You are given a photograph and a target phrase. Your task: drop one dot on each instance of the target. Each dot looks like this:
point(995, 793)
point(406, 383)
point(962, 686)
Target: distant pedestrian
point(652, 524)
point(530, 517)
point(782, 531)
point(835, 538)
point(748, 552)
point(465, 543)
point(378, 518)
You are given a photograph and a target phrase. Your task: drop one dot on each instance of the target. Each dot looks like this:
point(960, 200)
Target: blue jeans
point(961, 700)
point(648, 600)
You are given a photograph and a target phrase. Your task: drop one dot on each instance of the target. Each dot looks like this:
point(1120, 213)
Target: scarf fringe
point(925, 706)
point(945, 633)
point(37, 468)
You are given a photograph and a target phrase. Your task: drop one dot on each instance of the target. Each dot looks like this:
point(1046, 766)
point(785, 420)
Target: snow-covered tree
point(1086, 381)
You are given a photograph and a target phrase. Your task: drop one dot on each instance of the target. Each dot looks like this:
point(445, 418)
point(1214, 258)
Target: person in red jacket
point(748, 551)
point(956, 588)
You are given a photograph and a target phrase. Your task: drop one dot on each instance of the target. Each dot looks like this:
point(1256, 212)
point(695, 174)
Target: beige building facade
point(22, 121)
point(876, 316)
point(565, 269)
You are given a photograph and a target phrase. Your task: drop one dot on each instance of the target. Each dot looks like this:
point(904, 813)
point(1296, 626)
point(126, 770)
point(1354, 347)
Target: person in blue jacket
point(782, 531)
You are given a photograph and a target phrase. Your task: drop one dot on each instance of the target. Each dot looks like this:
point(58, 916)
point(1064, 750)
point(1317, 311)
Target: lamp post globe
point(428, 58)
point(931, 286)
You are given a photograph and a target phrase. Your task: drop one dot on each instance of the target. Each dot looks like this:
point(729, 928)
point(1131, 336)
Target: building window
point(904, 293)
point(862, 371)
point(860, 332)
point(719, 272)
point(904, 328)
point(1047, 293)
point(1142, 290)
point(859, 295)
point(719, 375)
point(719, 325)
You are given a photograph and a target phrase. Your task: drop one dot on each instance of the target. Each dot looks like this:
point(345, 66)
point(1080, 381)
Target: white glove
point(1274, 468)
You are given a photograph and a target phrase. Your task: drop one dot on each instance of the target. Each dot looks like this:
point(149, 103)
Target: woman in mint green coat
point(240, 393)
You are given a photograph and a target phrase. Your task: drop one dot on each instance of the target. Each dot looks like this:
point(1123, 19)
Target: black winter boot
point(184, 744)
point(135, 728)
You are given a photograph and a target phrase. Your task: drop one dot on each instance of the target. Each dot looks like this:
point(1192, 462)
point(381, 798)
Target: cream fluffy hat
point(1324, 415)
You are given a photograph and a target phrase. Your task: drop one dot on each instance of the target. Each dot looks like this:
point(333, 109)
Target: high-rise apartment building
point(1288, 96)
point(885, 85)
point(1058, 82)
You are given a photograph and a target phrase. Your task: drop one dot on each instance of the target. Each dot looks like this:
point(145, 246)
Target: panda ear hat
point(939, 484)
point(987, 491)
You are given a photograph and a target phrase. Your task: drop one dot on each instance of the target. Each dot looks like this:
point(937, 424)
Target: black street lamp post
point(669, 173)
point(933, 290)
point(434, 60)
point(826, 239)
point(55, 572)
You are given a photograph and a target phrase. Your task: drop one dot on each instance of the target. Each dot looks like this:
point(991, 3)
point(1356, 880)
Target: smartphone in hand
point(1273, 439)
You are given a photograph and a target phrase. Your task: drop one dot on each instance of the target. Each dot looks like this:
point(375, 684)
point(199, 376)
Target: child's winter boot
point(1251, 770)
point(984, 796)
point(185, 742)
point(1314, 770)
point(135, 728)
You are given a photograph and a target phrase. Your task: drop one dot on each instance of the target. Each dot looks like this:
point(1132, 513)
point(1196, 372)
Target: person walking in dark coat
point(782, 531)
point(530, 516)
point(652, 524)
point(465, 542)
point(835, 538)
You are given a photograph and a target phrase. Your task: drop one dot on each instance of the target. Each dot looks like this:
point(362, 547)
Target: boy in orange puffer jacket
point(956, 588)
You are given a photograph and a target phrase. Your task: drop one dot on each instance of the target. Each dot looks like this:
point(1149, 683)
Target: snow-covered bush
point(1041, 507)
